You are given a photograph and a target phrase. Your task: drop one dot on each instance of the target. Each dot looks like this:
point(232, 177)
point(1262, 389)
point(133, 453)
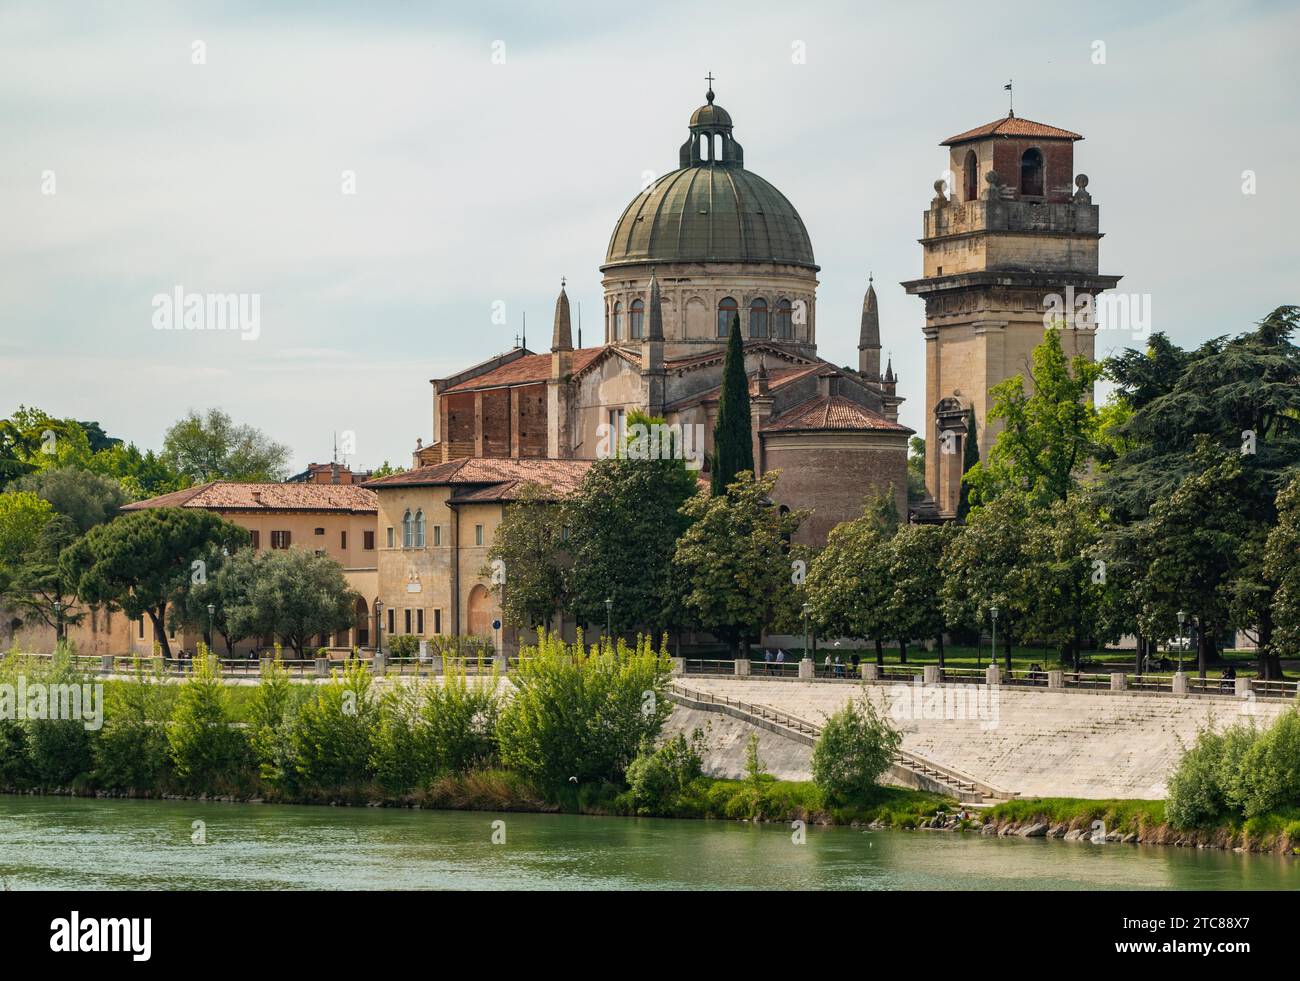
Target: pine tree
point(733, 438)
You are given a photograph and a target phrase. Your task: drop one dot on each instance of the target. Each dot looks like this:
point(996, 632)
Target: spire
point(562, 335)
point(869, 334)
point(760, 382)
point(889, 371)
point(656, 332)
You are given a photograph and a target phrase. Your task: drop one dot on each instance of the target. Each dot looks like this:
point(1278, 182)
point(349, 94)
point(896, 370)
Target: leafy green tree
point(624, 522)
point(38, 588)
point(294, 594)
point(527, 544)
point(980, 569)
point(86, 498)
point(146, 560)
point(733, 435)
point(23, 517)
point(915, 470)
point(332, 736)
point(140, 475)
point(856, 746)
point(1191, 550)
point(581, 716)
point(659, 779)
point(916, 574)
point(207, 751)
point(1049, 435)
point(734, 561)
point(132, 752)
point(212, 447)
point(848, 585)
point(1282, 565)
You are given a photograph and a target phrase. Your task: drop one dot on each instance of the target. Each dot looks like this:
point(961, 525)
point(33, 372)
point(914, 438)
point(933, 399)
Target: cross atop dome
point(708, 96)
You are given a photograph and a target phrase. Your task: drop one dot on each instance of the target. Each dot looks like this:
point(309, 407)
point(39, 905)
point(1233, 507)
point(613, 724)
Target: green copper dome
point(711, 209)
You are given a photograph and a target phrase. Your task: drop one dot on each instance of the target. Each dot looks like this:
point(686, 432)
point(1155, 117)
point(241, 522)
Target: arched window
point(1031, 173)
point(970, 174)
point(758, 318)
point(636, 314)
point(784, 320)
point(618, 321)
point(727, 311)
point(419, 529)
point(407, 538)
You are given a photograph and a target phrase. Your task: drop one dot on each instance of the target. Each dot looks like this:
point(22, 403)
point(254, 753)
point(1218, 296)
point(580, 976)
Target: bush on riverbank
point(856, 747)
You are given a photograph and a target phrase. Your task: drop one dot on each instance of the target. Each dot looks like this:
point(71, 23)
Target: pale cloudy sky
point(480, 182)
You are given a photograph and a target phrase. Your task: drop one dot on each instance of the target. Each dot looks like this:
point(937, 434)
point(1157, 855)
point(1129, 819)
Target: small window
point(408, 530)
point(319, 531)
point(142, 627)
point(368, 540)
point(618, 321)
point(392, 619)
point(407, 619)
point(255, 540)
point(280, 539)
point(343, 539)
point(971, 176)
point(1031, 173)
point(437, 535)
point(390, 537)
point(478, 534)
point(419, 621)
point(758, 318)
point(419, 529)
point(636, 316)
point(728, 310)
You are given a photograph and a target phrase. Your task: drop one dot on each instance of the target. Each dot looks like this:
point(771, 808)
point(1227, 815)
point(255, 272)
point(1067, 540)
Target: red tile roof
point(776, 378)
point(222, 495)
point(527, 370)
point(562, 475)
point(1013, 126)
point(831, 413)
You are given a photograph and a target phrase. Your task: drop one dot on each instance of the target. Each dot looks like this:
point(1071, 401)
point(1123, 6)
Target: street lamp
point(807, 609)
point(379, 626)
point(993, 645)
point(1182, 617)
point(212, 612)
point(609, 616)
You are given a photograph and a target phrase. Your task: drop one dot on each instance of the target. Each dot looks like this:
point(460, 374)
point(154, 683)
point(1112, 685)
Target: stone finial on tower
point(760, 381)
point(890, 381)
point(869, 335)
point(562, 335)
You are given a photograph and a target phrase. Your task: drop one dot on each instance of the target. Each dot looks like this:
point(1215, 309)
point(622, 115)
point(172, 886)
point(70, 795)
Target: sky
point(492, 147)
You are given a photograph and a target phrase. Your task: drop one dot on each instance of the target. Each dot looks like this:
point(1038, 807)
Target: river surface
point(71, 843)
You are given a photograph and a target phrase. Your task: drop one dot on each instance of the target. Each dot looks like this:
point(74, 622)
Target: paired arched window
point(408, 538)
point(728, 310)
point(1031, 173)
point(636, 317)
point(758, 318)
point(784, 320)
point(971, 177)
point(618, 321)
point(419, 529)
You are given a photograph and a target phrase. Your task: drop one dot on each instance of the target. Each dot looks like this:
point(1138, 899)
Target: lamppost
point(379, 626)
point(212, 612)
point(58, 621)
point(1182, 618)
point(993, 644)
point(609, 616)
point(807, 610)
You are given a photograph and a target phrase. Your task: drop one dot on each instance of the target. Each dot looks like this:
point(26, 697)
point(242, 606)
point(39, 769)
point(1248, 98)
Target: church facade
point(703, 245)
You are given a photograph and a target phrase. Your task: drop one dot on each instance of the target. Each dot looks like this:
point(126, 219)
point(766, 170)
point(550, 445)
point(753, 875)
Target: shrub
point(400, 756)
point(461, 716)
point(332, 737)
point(273, 703)
point(208, 752)
point(658, 779)
point(582, 716)
point(856, 746)
point(61, 749)
point(403, 645)
point(1270, 767)
point(132, 752)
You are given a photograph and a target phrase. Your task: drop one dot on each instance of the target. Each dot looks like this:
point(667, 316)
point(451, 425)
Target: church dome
point(711, 209)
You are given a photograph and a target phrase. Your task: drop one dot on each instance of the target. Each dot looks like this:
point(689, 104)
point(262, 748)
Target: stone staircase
point(908, 768)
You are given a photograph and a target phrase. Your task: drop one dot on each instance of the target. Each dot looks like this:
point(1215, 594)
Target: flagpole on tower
point(1011, 100)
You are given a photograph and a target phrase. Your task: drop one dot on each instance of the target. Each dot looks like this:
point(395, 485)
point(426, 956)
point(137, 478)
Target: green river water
point(70, 843)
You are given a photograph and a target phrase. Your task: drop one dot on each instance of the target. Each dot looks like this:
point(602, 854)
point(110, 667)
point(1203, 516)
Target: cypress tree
point(733, 438)
point(970, 456)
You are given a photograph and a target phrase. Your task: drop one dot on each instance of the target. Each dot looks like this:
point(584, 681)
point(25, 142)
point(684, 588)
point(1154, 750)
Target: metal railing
point(767, 712)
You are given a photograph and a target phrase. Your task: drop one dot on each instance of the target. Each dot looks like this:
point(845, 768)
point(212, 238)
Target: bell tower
point(1010, 227)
